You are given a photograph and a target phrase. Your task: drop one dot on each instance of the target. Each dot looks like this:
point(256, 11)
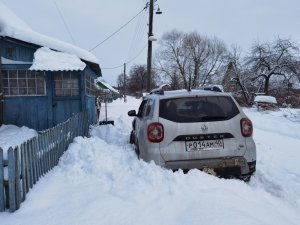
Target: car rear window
point(198, 109)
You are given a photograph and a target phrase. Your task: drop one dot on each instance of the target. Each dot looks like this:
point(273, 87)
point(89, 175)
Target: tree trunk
point(267, 82)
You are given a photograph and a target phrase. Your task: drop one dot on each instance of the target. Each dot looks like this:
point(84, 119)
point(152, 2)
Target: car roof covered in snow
point(185, 93)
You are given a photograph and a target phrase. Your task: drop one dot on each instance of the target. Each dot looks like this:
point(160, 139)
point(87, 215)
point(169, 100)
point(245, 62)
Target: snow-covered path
point(99, 180)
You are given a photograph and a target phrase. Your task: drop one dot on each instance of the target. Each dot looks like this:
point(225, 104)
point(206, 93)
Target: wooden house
point(43, 81)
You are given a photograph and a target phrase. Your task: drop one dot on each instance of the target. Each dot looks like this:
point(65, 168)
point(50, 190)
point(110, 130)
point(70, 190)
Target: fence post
point(32, 163)
point(23, 172)
point(42, 152)
point(26, 167)
point(51, 149)
point(11, 180)
point(29, 165)
point(17, 177)
point(56, 137)
point(37, 158)
point(2, 206)
point(48, 150)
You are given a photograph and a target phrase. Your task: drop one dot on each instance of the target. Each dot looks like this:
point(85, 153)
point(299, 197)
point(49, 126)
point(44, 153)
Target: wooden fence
point(34, 158)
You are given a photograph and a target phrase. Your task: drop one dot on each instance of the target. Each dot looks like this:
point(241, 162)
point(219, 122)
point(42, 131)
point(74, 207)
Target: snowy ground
point(13, 136)
point(99, 180)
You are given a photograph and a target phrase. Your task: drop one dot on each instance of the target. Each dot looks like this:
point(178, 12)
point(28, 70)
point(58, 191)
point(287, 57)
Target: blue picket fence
point(34, 158)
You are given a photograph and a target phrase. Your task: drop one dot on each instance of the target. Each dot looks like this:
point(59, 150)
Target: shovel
point(105, 122)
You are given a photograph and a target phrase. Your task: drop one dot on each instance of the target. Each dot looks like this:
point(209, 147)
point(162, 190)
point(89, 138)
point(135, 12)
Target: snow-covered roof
point(265, 99)
point(47, 59)
point(102, 84)
point(13, 27)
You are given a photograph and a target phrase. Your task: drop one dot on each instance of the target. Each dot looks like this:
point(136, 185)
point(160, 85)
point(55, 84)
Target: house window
point(66, 83)
point(89, 85)
point(23, 83)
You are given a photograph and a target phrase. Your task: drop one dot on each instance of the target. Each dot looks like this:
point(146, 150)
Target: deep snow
point(13, 136)
point(99, 180)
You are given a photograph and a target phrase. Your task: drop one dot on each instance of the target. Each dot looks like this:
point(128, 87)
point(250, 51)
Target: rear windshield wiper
point(214, 118)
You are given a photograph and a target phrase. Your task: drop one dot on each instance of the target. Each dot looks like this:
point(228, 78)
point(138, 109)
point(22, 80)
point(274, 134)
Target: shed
point(43, 81)
point(102, 85)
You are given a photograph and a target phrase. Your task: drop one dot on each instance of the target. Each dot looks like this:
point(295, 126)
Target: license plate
point(204, 145)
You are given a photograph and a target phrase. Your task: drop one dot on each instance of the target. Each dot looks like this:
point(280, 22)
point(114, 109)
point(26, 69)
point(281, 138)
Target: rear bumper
point(222, 166)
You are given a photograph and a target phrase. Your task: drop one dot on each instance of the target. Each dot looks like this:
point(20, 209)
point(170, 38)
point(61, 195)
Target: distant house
point(105, 90)
point(43, 81)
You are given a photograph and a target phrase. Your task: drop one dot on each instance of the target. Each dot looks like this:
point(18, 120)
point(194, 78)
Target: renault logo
point(204, 127)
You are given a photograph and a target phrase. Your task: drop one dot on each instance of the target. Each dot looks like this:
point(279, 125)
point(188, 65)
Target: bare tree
point(236, 78)
point(137, 79)
point(189, 60)
point(268, 60)
point(171, 58)
point(120, 83)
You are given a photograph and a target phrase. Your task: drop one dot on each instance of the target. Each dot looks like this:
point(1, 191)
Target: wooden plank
point(33, 153)
point(55, 136)
point(26, 165)
point(2, 206)
point(50, 143)
point(11, 180)
point(47, 151)
point(52, 148)
point(65, 137)
point(42, 149)
point(29, 165)
point(23, 172)
point(17, 177)
point(44, 158)
point(60, 139)
point(37, 154)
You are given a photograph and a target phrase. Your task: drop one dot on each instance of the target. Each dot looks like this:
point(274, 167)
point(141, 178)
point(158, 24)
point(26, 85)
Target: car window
point(198, 109)
point(147, 109)
point(142, 108)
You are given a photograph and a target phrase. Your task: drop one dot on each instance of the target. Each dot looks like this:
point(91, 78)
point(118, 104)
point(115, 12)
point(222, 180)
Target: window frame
point(64, 82)
point(33, 82)
point(90, 88)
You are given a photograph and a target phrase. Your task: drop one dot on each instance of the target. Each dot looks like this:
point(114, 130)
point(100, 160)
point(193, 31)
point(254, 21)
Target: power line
point(64, 22)
point(138, 34)
point(140, 52)
point(129, 61)
point(118, 29)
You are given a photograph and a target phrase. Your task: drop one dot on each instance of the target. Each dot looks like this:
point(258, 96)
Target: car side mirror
point(132, 113)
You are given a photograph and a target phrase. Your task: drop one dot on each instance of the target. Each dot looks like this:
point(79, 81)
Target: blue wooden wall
point(41, 112)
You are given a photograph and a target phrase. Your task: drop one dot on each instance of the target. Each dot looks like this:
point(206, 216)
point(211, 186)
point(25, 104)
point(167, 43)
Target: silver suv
point(199, 129)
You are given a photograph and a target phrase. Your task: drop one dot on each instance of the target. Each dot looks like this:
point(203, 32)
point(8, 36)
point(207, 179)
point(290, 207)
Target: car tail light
point(155, 132)
point(246, 127)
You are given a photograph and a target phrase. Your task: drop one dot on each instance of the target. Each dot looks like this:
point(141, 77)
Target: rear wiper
point(214, 117)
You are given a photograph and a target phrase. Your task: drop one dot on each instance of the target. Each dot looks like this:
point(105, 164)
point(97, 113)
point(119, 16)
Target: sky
point(89, 22)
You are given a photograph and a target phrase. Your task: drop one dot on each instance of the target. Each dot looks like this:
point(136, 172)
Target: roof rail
point(160, 90)
point(216, 88)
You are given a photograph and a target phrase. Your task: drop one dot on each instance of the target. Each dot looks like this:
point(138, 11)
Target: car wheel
point(245, 178)
point(137, 150)
point(131, 139)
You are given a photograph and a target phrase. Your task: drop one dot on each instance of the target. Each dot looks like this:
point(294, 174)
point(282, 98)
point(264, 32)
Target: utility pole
point(124, 85)
point(149, 56)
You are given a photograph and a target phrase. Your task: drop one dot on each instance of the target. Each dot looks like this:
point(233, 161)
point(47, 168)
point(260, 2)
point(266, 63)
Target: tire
point(137, 150)
point(246, 178)
point(131, 139)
